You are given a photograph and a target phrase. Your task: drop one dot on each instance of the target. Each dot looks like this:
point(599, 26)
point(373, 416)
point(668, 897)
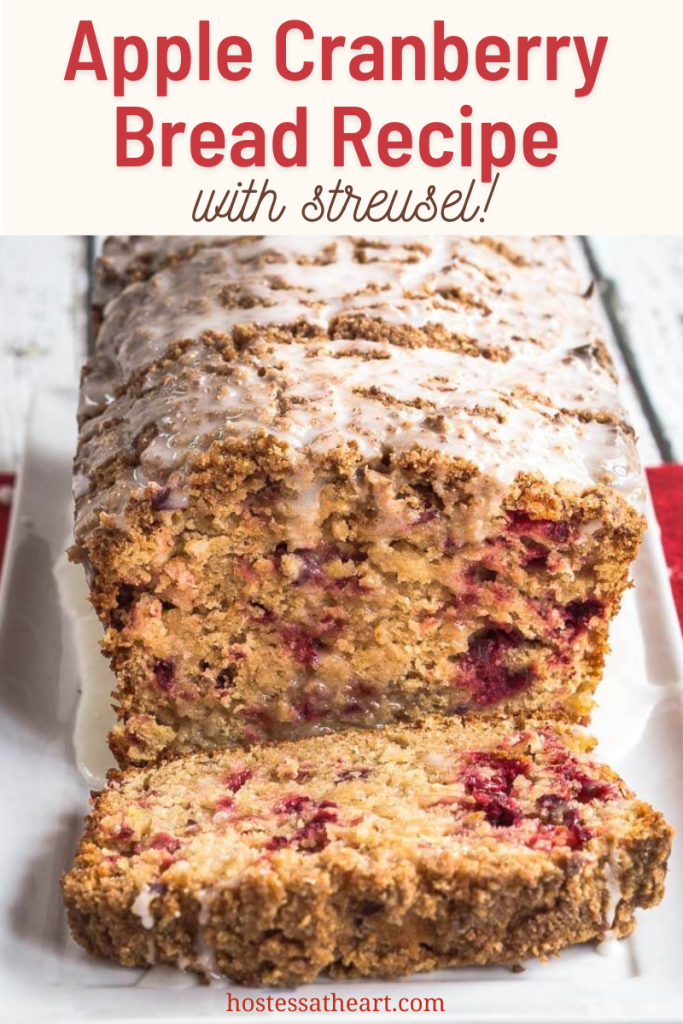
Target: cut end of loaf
point(348, 482)
point(411, 598)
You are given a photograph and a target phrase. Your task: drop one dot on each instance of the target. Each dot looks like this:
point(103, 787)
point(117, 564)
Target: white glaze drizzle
point(614, 897)
point(142, 906)
point(531, 413)
point(204, 953)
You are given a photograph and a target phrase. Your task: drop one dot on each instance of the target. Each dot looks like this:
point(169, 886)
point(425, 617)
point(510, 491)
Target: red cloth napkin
point(6, 483)
point(666, 484)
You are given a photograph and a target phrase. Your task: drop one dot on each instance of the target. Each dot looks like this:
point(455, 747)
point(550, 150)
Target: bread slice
point(365, 853)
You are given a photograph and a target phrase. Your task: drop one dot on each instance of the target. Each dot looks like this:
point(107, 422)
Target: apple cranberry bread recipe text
point(334, 482)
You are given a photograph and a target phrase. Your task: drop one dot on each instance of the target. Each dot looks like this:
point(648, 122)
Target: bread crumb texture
point(328, 483)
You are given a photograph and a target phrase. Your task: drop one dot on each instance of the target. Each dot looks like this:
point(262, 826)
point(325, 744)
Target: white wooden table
point(44, 288)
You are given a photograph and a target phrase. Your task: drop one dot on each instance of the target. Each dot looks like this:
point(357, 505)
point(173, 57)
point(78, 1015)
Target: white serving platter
point(48, 650)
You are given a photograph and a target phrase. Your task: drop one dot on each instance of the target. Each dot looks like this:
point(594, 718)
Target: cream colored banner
point(619, 145)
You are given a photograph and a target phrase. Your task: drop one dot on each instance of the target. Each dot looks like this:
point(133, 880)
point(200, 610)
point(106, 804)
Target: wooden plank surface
point(641, 281)
point(43, 288)
point(648, 448)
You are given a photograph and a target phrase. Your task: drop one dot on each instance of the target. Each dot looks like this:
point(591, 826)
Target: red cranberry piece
point(499, 810)
point(556, 532)
point(225, 803)
point(588, 788)
point(123, 832)
point(493, 771)
point(460, 601)
point(351, 583)
point(311, 570)
point(488, 778)
point(277, 842)
point(577, 832)
point(593, 789)
point(235, 780)
point(165, 841)
point(313, 836)
point(312, 702)
point(562, 821)
point(302, 644)
point(546, 837)
point(258, 714)
point(353, 707)
point(164, 672)
point(484, 669)
point(325, 813)
point(294, 804)
point(311, 710)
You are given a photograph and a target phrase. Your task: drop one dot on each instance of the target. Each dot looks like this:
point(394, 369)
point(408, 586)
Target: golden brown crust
point(407, 868)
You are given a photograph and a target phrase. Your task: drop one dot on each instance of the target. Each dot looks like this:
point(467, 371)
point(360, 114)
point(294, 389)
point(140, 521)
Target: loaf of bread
point(343, 482)
point(367, 852)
